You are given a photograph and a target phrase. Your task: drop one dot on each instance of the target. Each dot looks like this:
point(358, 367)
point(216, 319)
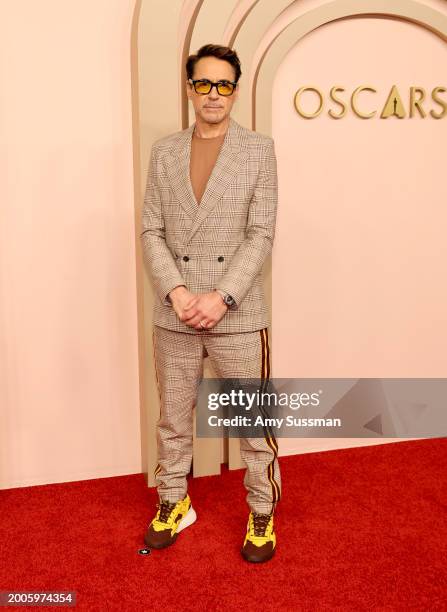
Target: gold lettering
point(297, 106)
point(393, 105)
point(441, 103)
point(342, 104)
point(416, 103)
point(354, 101)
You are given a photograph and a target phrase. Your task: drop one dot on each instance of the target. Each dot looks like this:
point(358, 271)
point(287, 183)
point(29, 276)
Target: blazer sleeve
point(249, 258)
point(158, 258)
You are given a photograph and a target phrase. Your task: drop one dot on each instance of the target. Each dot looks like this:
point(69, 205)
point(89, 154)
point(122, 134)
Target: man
point(208, 224)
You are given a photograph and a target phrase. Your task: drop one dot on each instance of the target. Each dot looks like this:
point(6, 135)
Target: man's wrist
point(176, 290)
point(228, 300)
point(222, 295)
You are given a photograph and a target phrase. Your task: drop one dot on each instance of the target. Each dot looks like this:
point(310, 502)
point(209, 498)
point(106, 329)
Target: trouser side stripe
point(270, 439)
point(158, 466)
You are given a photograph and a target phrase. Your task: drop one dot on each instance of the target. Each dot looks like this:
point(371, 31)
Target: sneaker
point(260, 540)
point(170, 519)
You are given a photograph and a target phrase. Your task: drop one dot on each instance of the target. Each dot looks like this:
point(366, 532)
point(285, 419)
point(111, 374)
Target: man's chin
point(213, 117)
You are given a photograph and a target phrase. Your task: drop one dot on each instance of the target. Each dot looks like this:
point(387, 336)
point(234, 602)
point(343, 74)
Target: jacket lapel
point(230, 160)
point(177, 170)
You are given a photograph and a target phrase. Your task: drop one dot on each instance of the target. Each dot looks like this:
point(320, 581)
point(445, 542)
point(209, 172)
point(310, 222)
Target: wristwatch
point(227, 298)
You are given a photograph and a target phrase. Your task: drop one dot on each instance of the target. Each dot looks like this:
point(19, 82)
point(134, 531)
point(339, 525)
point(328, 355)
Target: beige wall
point(69, 389)
point(78, 116)
point(360, 247)
point(263, 33)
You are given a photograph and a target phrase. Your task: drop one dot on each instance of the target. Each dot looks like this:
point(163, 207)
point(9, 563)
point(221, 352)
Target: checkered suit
point(179, 366)
point(221, 243)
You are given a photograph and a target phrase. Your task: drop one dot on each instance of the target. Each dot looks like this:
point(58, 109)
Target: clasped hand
point(196, 308)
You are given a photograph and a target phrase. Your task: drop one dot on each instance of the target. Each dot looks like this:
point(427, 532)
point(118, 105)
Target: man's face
point(212, 108)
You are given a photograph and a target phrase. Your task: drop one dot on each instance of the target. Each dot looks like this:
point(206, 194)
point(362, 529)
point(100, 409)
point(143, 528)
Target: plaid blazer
point(220, 243)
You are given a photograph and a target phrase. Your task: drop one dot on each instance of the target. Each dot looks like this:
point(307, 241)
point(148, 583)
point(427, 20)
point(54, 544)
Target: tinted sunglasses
point(203, 86)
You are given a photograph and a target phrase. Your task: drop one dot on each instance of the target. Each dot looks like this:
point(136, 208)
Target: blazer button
point(185, 258)
point(220, 258)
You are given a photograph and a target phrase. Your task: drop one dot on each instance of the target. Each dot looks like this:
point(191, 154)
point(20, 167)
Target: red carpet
point(358, 529)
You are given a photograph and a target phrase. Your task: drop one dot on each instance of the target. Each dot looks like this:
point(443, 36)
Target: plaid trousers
point(178, 359)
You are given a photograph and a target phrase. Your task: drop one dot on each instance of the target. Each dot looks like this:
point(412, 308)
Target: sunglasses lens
point(203, 87)
point(225, 89)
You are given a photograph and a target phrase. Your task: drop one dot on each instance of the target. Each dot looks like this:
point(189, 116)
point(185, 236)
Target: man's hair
point(223, 53)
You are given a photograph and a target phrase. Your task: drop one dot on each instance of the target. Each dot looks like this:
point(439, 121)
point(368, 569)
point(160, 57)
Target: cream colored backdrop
point(69, 382)
point(337, 328)
point(79, 113)
point(361, 227)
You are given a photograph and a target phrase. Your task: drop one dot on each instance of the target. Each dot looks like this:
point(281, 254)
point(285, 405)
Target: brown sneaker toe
point(159, 539)
point(258, 554)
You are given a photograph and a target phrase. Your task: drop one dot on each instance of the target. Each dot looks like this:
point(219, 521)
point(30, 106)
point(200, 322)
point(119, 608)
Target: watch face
point(229, 300)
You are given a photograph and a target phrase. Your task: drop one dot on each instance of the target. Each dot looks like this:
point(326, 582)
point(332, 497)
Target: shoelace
point(165, 510)
point(260, 522)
